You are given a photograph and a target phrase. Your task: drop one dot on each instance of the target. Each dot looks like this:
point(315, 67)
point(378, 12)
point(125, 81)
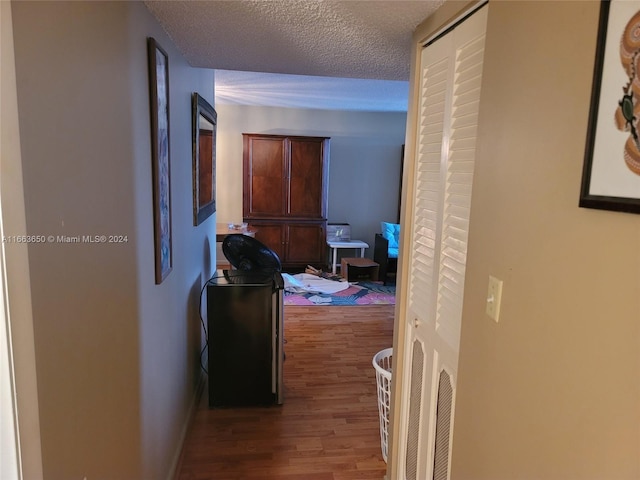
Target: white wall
point(117, 356)
point(364, 171)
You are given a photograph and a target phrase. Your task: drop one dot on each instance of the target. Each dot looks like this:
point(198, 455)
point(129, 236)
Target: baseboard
point(177, 457)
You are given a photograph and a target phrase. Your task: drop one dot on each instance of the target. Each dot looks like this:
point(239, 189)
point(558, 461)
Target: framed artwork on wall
point(204, 121)
point(161, 171)
point(611, 172)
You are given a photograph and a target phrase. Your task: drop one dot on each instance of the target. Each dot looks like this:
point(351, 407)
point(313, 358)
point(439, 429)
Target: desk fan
point(247, 253)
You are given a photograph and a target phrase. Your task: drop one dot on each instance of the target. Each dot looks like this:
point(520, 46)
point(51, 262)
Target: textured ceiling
point(339, 39)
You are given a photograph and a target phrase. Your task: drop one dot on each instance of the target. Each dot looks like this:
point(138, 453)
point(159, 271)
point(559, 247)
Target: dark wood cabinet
point(285, 195)
point(298, 244)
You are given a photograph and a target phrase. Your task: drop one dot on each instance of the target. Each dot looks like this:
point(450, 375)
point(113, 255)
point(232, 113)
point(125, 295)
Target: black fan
point(247, 253)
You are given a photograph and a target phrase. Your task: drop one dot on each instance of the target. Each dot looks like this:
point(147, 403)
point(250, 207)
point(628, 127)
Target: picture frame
point(160, 157)
point(611, 171)
point(204, 125)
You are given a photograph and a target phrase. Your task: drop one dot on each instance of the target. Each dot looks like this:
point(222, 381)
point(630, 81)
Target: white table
point(345, 244)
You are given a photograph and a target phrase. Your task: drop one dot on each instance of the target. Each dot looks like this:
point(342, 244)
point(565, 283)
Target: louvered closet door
point(451, 70)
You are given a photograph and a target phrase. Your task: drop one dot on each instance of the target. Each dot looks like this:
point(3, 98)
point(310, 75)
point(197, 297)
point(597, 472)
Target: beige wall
point(364, 168)
point(552, 391)
point(116, 355)
point(17, 309)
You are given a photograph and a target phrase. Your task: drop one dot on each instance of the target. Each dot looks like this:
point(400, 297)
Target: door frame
point(16, 319)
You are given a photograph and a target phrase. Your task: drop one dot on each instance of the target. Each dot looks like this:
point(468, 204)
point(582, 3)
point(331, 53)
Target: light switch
point(494, 296)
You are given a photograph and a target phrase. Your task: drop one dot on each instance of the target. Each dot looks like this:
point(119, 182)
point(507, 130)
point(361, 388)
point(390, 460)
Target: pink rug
point(363, 293)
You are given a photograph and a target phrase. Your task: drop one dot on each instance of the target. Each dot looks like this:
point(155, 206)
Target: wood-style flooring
point(327, 428)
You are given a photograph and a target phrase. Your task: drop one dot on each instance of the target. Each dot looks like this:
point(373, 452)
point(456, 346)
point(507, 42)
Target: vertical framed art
point(160, 153)
point(611, 172)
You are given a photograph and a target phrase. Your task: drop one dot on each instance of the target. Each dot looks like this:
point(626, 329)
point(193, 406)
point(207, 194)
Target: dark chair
point(388, 266)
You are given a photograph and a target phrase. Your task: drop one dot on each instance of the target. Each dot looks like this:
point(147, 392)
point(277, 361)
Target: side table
point(355, 244)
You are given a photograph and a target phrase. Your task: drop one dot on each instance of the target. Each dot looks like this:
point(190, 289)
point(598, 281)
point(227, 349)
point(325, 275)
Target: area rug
point(361, 293)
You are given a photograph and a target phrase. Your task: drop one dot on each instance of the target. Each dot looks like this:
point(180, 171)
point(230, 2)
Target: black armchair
point(388, 266)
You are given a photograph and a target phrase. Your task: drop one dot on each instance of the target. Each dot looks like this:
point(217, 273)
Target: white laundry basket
point(382, 364)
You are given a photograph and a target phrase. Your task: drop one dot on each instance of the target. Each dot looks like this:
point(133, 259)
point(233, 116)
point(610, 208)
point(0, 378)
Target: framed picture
point(204, 120)
point(161, 171)
point(611, 173)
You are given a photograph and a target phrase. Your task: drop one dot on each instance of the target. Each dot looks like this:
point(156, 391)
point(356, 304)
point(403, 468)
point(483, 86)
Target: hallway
point(327, 428)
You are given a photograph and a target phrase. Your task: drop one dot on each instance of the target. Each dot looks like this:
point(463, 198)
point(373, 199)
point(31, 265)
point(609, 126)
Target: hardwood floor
point(327, 428)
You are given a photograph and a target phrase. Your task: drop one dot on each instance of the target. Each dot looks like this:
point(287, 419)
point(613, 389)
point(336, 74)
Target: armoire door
point(307, 184)
point(272, 234)
point(265, 166)
point(451, 73)
point(306, 244)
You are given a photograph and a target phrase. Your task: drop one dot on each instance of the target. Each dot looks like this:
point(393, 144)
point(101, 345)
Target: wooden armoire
point(285, 187)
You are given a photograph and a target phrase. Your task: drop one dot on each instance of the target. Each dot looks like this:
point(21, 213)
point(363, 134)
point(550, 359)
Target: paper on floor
point(303, 282)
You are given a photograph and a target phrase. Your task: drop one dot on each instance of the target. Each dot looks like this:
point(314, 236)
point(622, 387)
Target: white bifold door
point(451, 72)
